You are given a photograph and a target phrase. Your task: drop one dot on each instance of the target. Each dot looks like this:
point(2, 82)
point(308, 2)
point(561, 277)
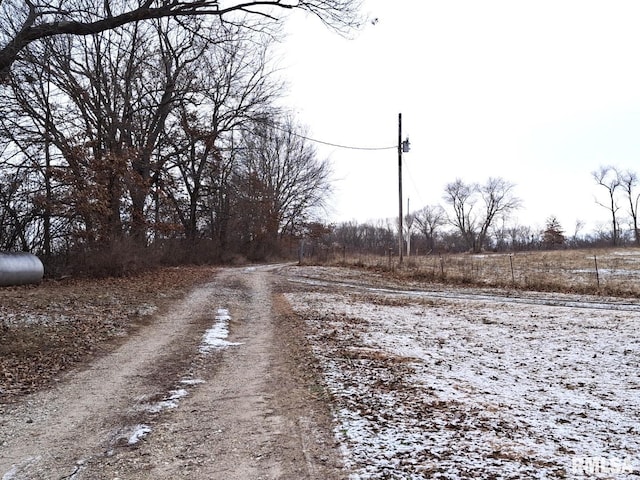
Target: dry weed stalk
point(614, 272)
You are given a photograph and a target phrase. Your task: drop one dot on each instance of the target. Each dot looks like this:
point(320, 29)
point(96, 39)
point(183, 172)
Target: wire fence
point(601, 271)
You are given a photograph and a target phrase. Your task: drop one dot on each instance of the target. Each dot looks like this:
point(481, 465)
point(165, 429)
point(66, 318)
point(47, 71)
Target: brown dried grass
point(614, 271)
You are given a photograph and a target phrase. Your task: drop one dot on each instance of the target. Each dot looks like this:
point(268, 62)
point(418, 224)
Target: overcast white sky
point(540, 93)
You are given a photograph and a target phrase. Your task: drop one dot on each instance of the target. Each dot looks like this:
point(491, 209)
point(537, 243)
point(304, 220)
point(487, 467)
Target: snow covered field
point(456, 383)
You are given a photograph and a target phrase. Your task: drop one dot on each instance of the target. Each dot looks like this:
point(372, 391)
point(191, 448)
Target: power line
point(412, 179)
point(348, 147)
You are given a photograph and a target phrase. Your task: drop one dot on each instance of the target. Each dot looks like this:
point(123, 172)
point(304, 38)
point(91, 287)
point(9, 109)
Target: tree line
point(151, 133)
point(478, 217)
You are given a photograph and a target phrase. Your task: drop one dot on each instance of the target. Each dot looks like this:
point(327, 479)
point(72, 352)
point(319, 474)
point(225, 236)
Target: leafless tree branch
point(42, 21)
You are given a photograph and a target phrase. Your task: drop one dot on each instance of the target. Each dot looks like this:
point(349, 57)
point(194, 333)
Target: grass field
point(599, 271)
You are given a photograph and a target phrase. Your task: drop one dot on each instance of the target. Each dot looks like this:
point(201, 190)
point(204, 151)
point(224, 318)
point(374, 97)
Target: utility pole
point(400, 239)
point(409, 223)
point(402, 147)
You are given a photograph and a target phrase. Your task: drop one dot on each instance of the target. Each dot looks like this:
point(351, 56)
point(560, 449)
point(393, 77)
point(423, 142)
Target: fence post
point(595, 260)
point(513, 277)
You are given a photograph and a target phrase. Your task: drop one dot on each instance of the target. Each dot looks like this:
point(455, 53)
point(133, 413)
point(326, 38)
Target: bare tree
point(575, 238)
point(629, 182)
point(26, 126)
point(99, 97)
point(500, 233)
point(429, 219)
point(473, 221)
point(105, 121)
point(16, 213)
point(348, 235)
point(26, 21)
point(461, 198)
point(231, 85)
point(609, 178)
point(366, 237)
point(499, 201)
point(521, 237)
point(282, 183)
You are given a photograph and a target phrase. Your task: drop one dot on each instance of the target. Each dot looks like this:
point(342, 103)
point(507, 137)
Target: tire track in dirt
point(251, 422)
point(245, 416)
point(49, 434)
point(461, 293)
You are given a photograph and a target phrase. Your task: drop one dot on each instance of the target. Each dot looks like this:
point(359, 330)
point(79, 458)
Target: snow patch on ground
point(139, 432)
point(191, 381)
point(475, 388)
point(28, 319)
point(170, 401)
point(215, 337)
point(16, 472)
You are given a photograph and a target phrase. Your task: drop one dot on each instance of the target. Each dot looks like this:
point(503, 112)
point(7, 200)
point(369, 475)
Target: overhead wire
point(415, 186)
point(337, 145)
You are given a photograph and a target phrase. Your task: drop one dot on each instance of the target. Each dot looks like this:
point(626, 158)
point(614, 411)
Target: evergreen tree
point(553, 235)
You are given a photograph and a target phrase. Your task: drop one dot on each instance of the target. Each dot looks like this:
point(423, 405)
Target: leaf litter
point(47, 329)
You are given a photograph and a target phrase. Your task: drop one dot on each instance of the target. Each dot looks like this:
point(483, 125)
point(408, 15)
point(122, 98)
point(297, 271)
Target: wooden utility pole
point(400, 237)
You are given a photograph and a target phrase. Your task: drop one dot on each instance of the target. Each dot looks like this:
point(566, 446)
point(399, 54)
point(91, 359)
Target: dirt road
point(162, 406)
point(258, 373)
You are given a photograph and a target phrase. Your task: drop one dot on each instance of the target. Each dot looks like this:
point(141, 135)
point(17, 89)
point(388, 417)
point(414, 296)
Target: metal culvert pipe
point(20, 268)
